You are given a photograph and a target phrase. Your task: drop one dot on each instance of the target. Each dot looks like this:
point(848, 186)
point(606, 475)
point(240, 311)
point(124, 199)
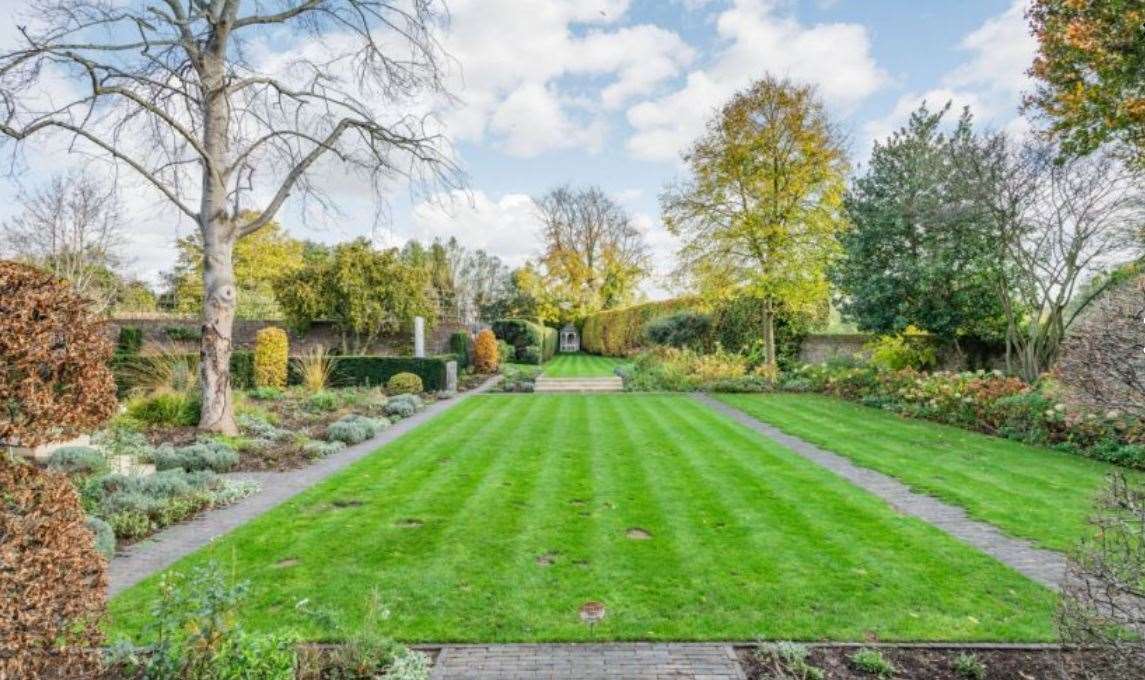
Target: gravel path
point(136, 562)
point(1044, 566)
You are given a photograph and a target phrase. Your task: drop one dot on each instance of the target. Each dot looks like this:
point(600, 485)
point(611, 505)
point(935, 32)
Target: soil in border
point(922, 663)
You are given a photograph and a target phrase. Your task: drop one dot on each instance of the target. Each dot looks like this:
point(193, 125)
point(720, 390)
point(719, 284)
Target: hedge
point(346, 371)
point(125, 365)
point(461, 344)
point(523, 334)
point(350, 371)
point(620, 332)
point(735, 324)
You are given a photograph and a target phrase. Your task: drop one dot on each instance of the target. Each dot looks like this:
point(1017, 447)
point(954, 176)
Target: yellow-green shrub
point(404, 383)
point(485, 352)
point(271, 353)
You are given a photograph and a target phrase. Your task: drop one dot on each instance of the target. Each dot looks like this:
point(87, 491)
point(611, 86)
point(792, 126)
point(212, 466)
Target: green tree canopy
point(917, 254)
point(762, 209)
point(365, 292)
point(260, 259)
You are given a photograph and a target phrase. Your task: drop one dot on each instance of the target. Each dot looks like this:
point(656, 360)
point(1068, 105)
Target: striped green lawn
point(1026, 491)
point(580, 366)
point(747, 539)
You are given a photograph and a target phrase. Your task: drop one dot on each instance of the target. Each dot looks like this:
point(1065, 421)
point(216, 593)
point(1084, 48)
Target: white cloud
point(760, 37)
point(519, 67)
point(532, 120)
point(506, 227)
point(990, 81)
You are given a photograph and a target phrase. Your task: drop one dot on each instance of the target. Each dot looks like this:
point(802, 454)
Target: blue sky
point(608, 92)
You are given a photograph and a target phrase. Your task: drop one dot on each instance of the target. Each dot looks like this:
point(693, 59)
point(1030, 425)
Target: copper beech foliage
point(52, 580)
point(55, 383)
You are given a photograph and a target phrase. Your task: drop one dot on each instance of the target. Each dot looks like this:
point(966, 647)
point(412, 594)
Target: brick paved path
point(1044, 566)
point(635, 661)
point(137, 562)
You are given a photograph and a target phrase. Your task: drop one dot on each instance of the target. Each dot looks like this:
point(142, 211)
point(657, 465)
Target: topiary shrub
point(506, 353)
point(523, 335)
point(530, 355)
point(404, 383)
point(214, 456)
point(486, 358)
point(55, 384)
point(271, 355)
point(353, 429)
point(52, 581)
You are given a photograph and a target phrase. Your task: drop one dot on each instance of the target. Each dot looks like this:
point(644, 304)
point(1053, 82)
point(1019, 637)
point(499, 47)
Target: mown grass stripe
point(1026, 491)
point(580, 366)
point(782, 567)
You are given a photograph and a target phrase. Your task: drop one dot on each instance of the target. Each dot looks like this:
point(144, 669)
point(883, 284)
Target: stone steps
point(610, 383)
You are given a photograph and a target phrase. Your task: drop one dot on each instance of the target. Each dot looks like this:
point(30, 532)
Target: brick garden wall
point(320, 333)
point(817, 348)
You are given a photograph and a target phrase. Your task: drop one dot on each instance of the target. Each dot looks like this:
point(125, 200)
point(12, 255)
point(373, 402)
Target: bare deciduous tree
point(189, 95)
point(73, 227)
point(1057, 223)
point(1103, 359)
point(1102, 607)
point(591, 247)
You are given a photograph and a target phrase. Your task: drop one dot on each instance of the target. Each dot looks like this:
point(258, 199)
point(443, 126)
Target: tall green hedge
point(462, 345)
point(620, 332)
point(736, 324)
point(532, 342)
point(348, 371)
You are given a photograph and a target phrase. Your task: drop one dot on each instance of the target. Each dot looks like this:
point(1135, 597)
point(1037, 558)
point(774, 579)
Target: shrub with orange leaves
point(52, 579)
point(485, 353)
point(56, 383)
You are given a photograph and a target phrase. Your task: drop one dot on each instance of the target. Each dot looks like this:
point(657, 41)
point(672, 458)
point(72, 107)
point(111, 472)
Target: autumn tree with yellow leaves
point(762, 208)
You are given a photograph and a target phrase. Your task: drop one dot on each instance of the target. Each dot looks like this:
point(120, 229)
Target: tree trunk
point(219, 297)
point(769, 334)
point(219, 235)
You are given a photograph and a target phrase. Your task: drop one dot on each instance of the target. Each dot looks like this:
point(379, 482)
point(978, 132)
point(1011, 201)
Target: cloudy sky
point(608, 92)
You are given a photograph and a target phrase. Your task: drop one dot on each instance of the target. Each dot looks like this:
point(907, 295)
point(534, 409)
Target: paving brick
point(653, 661)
